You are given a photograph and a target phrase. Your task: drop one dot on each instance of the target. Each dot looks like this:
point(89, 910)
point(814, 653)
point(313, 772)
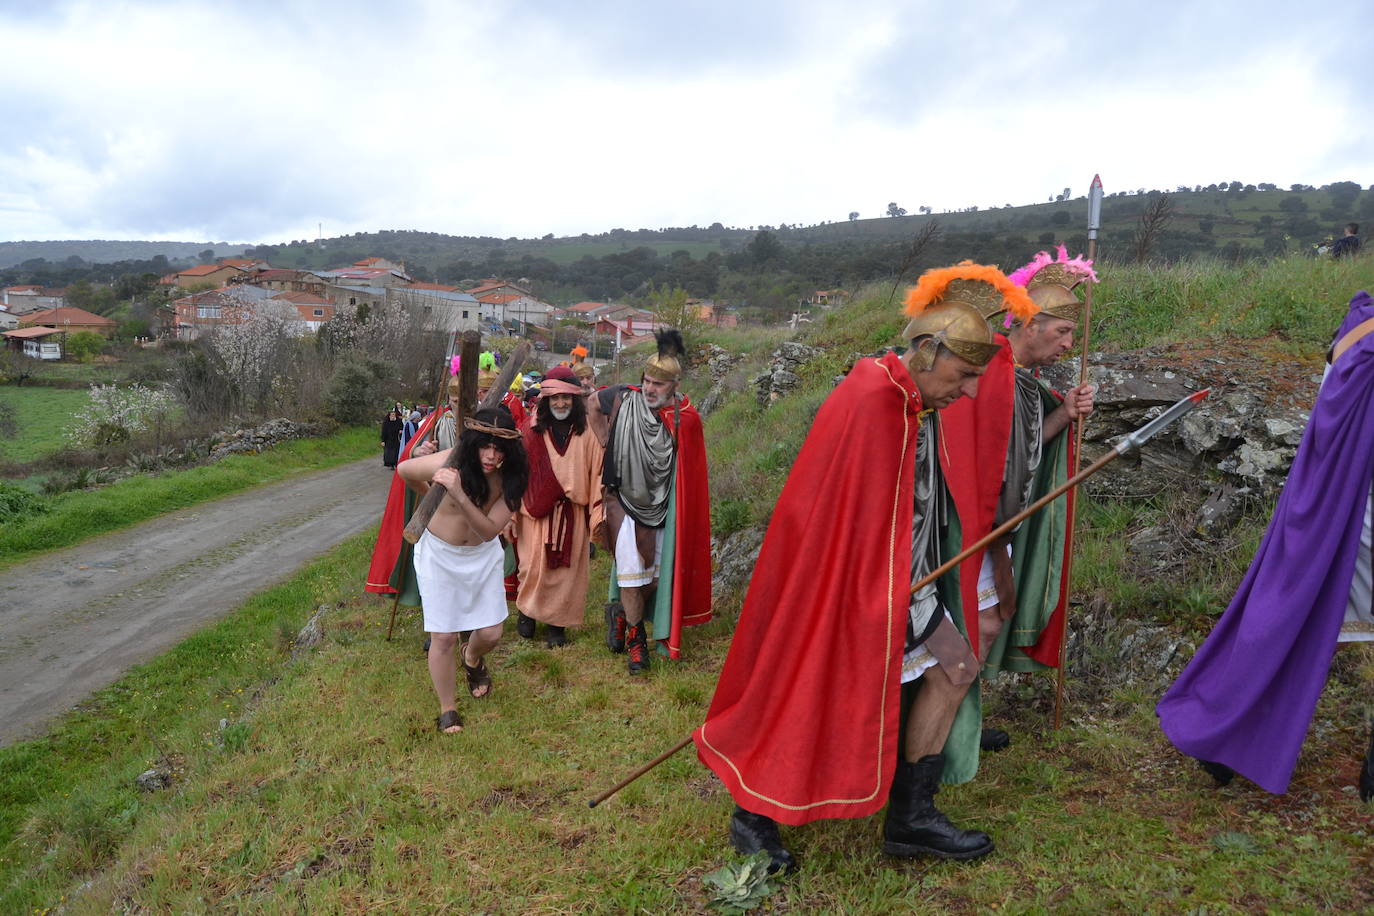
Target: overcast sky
point(256, 121)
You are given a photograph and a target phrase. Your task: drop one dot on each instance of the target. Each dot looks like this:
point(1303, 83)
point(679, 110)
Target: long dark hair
point(515, 472)
point(543, 415)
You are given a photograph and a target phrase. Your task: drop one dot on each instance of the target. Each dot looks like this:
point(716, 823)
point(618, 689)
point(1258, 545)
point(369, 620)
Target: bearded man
point(561, 511)
point(658, 521)
point(807, 719)
point(1008, 447)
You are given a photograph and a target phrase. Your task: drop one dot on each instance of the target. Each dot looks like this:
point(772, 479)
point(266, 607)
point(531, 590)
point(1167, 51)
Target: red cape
point(976, 435)
point(1047, 648)
point(976, 432)
point(692, 541)
point(804, 721)
point(388, 547)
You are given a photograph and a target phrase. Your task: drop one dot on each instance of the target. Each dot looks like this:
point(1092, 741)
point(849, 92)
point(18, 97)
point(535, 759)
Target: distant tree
point(1046, 238)
point(1293, 205)
point(206, 256)
point(1068, 194)
point(1266, 222)
point(1234, 186)
point(894, 210)
point(669, 305)
point(764, 248)
point(1153, 220)
point(853, 215)
point(1343, 194)
point(1060, 217)
point(1205, 226)
point(1058, 198)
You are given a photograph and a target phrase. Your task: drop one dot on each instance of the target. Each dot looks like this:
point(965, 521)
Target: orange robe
point(558, 596)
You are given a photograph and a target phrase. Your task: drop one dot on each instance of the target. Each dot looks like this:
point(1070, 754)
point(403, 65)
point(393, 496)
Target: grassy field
point(79, 514)
point(321, 786)
point(41, 416)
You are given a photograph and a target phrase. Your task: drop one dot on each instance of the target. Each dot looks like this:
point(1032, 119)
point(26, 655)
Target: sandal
point(478, 677)
point(447, 720)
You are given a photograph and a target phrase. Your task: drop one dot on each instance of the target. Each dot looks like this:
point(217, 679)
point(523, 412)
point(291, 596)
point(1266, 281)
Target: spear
point(1094, 223)
point(1130, 442)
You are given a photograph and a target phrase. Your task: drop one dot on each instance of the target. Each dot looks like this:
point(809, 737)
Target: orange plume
point(933, 283)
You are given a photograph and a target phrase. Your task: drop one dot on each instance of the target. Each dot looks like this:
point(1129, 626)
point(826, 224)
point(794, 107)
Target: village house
point(713, 314)
point(200, 313)
point(509, 309)
point(827, 297)
point(8, 321)
point(213, 275)
point(70, 320)
point(380, 264)
point(288, 281)
point(493, 286)
point(23, 299)
point(365, 276)
point(315, 311)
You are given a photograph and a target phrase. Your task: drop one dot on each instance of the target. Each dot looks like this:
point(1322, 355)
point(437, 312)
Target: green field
point(41, 416)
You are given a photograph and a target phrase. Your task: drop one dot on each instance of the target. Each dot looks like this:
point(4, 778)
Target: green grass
point(329, 791)
point(80, 514)
point(42, 416)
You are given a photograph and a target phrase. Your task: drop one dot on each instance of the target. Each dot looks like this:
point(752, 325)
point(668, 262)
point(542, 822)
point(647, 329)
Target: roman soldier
point(658, 521)
point(808, 720)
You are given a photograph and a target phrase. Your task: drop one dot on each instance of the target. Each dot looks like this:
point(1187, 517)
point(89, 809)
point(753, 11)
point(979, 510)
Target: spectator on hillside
point(391, 438)
point(1348, 244)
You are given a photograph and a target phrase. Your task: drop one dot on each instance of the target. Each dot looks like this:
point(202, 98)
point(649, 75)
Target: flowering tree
point(115, 414)
point(258, 349)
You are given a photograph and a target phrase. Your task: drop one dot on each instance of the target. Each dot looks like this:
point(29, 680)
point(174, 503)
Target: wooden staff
point(467, 380)
point(1094, 223)
point(1128, 443)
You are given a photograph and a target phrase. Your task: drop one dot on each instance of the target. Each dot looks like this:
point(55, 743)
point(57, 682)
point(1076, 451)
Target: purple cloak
point(1246, 698)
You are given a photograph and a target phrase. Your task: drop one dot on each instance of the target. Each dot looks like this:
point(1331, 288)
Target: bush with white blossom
point(116, 414)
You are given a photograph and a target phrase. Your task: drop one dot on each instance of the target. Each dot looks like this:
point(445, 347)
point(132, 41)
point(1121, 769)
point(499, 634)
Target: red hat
point(559, 380)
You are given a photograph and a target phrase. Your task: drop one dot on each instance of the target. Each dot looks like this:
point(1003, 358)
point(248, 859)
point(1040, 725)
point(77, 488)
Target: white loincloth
point(461, 588)
point(987, 586)
point(630, 571)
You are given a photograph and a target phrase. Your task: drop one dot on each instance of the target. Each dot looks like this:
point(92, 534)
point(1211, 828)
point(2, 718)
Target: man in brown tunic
point(562, 508)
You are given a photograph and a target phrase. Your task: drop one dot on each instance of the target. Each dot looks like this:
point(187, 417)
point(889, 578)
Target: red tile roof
point(244, 263)
point(20, 289)
point(498, 298)
point(24, 333)
point(66, 315)
point(201, 270)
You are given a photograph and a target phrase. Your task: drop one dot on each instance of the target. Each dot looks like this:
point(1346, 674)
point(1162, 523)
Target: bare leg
point(632, 599)
point(989, 628)
point(932, 714)
point(479, 644)
point(443, 671)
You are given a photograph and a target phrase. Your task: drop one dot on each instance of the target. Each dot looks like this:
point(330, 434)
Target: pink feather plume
point(1079, 265)
point(455, 363)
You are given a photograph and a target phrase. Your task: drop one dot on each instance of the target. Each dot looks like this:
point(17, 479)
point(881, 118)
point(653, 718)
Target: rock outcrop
point(781, 377)
point(260, 438)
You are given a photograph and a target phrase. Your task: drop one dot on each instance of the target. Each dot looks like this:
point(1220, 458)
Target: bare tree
point(1153, 220)
point(922, 240)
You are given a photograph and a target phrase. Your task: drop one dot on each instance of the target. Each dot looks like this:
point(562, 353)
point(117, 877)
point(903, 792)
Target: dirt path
point(72, 621)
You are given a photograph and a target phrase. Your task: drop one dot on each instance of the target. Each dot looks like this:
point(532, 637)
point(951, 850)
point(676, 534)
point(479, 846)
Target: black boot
point(555, 638)
point(615, 627)
point(751, 833)
point(914, 826)
point(637, 645)
point(1367, 771)
point(524, 625)
point(1218, 771)
point(994, 739)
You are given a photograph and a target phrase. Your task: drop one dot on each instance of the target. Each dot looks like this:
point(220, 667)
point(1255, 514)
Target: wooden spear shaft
point(1094, 218)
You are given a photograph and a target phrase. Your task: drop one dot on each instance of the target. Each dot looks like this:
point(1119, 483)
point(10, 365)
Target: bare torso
point(457, 521)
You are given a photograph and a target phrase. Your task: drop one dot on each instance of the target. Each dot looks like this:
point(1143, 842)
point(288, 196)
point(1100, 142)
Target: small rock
point(151, 780)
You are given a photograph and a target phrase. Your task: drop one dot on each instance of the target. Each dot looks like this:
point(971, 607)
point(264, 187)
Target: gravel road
point(73, 621)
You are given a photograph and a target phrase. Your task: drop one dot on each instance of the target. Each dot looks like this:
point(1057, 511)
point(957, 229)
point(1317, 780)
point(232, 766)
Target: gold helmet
point(952, 306)
point(485, 379)
point(1051, 281)
point(666, 364)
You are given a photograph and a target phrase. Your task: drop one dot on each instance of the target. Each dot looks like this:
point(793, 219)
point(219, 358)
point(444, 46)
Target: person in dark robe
point(391, 438)
point(1244, 702)
point(807, 721)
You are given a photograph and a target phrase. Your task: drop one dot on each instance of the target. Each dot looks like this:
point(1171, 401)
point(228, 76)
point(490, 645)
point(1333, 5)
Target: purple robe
point(1247, 697)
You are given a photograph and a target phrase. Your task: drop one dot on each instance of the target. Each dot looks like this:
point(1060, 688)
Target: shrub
point(17, 504)
point(355, 393)
point(85, 345)
point(114, 414)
